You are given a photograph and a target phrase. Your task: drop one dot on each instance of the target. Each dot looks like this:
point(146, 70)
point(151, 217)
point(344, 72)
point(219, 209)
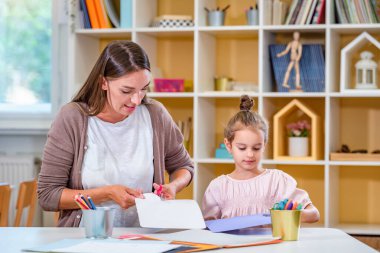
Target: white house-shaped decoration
point(280, 139)
point(346, 60)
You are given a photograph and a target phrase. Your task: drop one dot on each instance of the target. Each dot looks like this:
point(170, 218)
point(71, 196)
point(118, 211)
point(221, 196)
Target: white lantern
point(366, 71)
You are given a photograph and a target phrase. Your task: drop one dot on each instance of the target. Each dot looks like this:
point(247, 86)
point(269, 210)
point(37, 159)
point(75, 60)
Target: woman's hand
point(123, 195)
point(168, 190)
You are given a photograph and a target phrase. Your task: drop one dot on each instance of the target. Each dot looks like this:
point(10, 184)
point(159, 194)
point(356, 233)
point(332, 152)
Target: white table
point(311, 240)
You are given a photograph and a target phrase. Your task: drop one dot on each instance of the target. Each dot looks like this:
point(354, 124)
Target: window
point(25, 56)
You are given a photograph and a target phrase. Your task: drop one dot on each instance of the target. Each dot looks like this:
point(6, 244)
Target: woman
point(111, 142)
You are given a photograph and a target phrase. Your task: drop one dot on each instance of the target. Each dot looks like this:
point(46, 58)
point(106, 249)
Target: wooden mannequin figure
point(295, 48)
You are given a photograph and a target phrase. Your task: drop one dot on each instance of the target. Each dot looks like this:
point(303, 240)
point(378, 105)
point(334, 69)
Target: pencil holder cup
point(216, 18)
point(98, 223)
point(252, 17)
point(286, 224)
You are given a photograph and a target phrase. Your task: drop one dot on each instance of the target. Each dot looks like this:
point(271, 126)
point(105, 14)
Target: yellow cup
point(286, 224)
point(222, 83)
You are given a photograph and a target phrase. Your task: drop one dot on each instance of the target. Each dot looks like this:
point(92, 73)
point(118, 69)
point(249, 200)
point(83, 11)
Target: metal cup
point(99, 223)
point(286, 224)
point(216, 18)
point(252, 17)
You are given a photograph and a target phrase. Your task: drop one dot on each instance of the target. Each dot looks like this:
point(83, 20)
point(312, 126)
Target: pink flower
point(298, 129)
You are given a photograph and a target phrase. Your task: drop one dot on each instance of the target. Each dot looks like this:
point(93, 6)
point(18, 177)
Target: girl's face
point(247, 148)
point(126, 92)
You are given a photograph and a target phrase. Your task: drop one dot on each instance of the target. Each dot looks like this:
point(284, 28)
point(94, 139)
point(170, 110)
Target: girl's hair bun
point(246, 103)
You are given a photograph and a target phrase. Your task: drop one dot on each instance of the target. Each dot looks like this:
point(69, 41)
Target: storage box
point(173, 21)
point(168, 85)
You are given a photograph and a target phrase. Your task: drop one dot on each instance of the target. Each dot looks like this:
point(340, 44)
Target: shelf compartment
point(340, 38)
point(87, 51)
point(147, 10)
point(284, 37)
point(170, 56)
point(215, 113)
point(274, 104)
point(355, 115)
point(222, 55)
point(235, 14)
point(354, 196)
point(181, 109)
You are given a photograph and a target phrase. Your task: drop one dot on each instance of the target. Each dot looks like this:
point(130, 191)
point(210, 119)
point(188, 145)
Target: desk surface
point(310, 240)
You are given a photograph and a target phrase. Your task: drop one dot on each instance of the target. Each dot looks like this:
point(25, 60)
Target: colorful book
point(311, 12)
point(291, 11)
point(321, 17)
point(125, 13)
point(296, 13)
point(339, 12)
point(86, 18)
point(112, 12)
point(92, 14)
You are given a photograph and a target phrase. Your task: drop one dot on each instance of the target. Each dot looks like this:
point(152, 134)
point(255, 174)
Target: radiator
point(13, 170)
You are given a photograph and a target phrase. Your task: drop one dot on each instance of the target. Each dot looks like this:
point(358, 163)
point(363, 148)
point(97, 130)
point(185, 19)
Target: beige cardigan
point(66, 143)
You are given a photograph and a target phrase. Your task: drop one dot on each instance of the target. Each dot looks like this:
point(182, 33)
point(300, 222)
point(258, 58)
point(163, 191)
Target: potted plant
point(298, 142)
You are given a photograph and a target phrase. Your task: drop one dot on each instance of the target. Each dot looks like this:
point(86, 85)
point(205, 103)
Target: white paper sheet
point(101, 246)
point(178, 214)
point(208, 237)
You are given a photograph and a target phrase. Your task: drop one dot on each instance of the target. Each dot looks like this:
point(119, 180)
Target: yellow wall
point(359, 189)
point(238, 59)
point(175, 7)
point(175, 57)
point(360, 116)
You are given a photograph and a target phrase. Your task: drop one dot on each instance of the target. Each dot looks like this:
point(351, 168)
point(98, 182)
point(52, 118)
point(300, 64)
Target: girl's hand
point(124, 196)
point(168, 191)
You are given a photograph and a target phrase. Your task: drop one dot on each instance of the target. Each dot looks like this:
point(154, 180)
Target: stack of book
point(304, 12)
point(357, 11)
point(312, 68)
point(95, 14)
point(301, 12)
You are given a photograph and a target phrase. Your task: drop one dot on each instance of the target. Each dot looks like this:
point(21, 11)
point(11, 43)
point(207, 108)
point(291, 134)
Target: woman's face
point(126, 92)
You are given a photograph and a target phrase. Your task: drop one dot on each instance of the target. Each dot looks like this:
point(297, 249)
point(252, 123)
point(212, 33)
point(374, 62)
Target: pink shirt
point(226, 197)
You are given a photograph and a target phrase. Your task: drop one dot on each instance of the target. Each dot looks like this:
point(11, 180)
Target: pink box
point(168, 85)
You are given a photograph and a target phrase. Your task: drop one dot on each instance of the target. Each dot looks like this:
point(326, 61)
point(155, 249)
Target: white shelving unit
point(344, 192)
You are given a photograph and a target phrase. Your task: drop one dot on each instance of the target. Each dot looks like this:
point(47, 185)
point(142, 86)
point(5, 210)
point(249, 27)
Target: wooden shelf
point(354, 157)
point(200, 53)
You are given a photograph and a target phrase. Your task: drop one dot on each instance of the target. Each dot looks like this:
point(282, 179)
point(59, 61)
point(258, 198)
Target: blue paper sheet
point(239, 222)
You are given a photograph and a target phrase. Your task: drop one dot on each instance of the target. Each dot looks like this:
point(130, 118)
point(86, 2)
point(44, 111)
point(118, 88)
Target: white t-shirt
point(120, 153)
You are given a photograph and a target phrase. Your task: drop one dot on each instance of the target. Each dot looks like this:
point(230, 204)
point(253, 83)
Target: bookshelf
point(345, 192)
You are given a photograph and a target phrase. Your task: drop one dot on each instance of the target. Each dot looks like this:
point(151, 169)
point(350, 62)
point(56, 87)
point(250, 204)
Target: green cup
point(286, 224)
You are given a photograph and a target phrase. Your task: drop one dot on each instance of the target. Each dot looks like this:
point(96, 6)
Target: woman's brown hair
point(117, 59)
point(246, 119)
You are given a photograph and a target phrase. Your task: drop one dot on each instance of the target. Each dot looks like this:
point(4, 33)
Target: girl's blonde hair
point(246, 119)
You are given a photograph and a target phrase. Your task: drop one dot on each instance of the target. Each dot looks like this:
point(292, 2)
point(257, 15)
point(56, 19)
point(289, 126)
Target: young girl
point(251, 189)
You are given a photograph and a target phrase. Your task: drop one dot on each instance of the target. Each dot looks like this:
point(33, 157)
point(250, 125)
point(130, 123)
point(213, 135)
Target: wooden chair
point(27, 196)
point(5, 196)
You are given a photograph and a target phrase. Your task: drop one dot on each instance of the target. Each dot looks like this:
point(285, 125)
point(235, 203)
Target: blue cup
point(216, 18)
point(252, 17)
point(98, 223)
